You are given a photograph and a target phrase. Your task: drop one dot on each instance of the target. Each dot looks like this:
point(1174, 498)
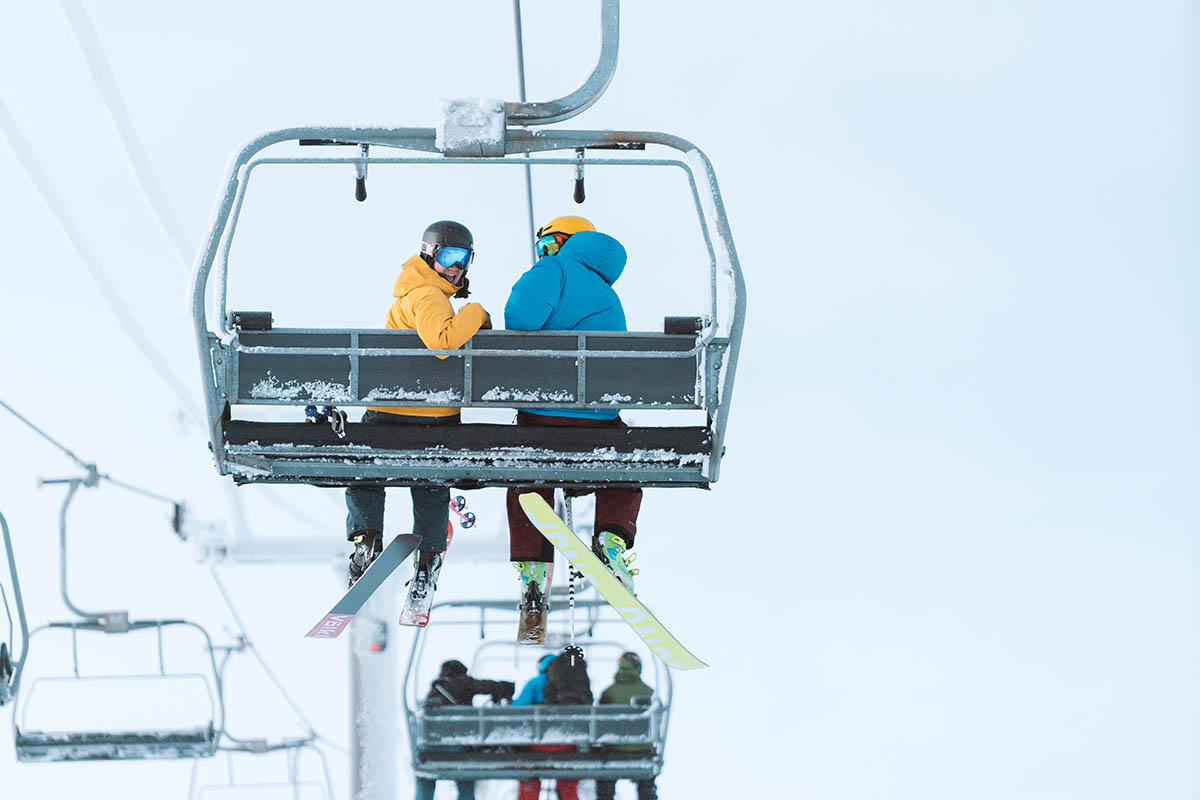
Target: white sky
point(953, 549)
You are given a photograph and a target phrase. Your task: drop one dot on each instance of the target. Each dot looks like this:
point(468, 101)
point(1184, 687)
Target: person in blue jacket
point(534, 692)
point(570, 288)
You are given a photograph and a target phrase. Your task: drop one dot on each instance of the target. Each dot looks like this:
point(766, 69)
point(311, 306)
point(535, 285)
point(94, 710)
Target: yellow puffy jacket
point(423, 304)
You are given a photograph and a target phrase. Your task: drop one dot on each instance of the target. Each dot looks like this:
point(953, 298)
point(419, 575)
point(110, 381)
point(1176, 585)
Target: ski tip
point(330, 627)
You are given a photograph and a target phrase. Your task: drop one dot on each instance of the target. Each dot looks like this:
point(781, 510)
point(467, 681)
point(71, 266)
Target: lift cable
point(94, 473)
point(58, 209)
point(102, 75)
point(266, 667)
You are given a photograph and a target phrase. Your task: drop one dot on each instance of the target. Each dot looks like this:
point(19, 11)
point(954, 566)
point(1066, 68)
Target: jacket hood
point(544, 664)
point(597, 251)
point(453, 668)
point(628, 672)
point(416, 273)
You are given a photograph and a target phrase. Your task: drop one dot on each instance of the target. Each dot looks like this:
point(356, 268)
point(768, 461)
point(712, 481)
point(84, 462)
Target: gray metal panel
point(650, 380)
point(503, 379)
point(283, 378)
point(419, 379)
point(32, 746)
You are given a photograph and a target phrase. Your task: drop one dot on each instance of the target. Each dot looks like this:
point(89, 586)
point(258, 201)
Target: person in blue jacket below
point(534, 692)
point(570, 288)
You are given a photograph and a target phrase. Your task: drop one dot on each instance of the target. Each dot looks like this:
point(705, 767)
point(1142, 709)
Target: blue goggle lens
point(454, 257)
point(548, 245)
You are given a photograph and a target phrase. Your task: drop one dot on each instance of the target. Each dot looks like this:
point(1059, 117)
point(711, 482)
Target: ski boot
point(535, 600)
point(367, 547)
point(419, 599)
point(610, 549)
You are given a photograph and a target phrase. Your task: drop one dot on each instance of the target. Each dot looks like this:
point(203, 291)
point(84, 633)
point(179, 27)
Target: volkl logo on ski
point(330, 627)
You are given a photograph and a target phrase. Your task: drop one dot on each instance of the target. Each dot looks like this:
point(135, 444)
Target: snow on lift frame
point(10, 672)
point(491, 742)
point(688, 366)
point(36, 745)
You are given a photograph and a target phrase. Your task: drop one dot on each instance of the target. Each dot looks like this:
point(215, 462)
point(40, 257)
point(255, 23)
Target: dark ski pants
point(616, 509)
point(425, 787)
point(431, 512)
point(607, 790)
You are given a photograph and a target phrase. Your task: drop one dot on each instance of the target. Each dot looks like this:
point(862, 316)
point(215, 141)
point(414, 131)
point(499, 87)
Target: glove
point(505, 692)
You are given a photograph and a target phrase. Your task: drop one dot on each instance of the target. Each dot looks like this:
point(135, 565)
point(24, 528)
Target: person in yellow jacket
point(423, 290)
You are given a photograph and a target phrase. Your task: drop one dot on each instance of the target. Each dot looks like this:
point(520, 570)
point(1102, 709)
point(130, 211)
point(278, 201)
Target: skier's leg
point(646, 789)
point(425, 788)
point(364, 527)
point(525, 541)
point(466, 790)
point(529, 790)
point(616, 525)
point(605, 789)
point(567, 790)
point(617, 512)
point(431, 514)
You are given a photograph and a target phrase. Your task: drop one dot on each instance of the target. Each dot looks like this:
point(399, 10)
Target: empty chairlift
point(115, 713)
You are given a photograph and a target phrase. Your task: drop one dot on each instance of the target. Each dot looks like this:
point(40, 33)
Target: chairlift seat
point(51, 746)
point(492, 742)
point(496, 369)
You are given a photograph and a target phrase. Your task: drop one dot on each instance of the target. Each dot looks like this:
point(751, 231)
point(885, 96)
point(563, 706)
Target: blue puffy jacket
point(571, 291)
point(534, 692)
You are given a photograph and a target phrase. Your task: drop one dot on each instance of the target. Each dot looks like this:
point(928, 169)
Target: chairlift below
point(497, 741)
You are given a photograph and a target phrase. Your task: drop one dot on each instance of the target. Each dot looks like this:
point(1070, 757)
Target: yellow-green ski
point(652, 632)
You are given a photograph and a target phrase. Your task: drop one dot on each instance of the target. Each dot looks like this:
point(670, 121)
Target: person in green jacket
point(627, 685)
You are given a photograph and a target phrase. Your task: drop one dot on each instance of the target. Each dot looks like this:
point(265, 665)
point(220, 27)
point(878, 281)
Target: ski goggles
point(454, 257)
point(549, 244)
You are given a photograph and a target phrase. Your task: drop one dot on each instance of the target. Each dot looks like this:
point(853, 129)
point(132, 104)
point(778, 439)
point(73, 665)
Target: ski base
point(579, 553)
point(342, 613)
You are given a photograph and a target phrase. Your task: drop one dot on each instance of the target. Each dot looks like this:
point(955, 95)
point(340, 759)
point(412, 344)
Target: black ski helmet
point(447, 233)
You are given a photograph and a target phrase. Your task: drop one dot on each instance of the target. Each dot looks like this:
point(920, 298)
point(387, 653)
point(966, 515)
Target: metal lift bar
point(713, 222)
point(592, 87)
point(10, 684)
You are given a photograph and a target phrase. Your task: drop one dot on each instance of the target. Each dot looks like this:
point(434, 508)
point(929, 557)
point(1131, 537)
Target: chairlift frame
point(198, 742)
point(37, 745)
point(493, 742)
point(10, 670)
point(507, 369)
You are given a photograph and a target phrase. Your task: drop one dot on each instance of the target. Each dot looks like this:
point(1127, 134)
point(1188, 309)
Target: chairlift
point(116, 743)
point(690, 364)
point(240, 786)
point(494, 741)
point(38, 744)
point(10, 670)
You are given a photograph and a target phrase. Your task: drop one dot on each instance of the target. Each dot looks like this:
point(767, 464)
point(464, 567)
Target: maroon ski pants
point(616, 509)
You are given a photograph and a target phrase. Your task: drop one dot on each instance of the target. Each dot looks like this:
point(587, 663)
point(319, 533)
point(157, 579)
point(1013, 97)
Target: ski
point(342, 613)
point(579, 553)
